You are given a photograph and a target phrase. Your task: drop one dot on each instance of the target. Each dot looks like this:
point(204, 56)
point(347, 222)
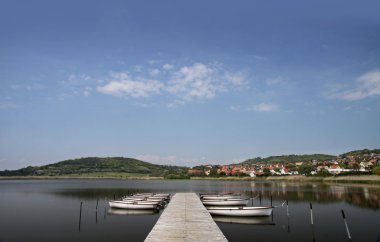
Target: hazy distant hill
point(302, 158)
point(289, 159)
point(360, 152)
point(96, 165)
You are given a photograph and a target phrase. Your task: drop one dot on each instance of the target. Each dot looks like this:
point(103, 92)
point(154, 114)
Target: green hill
point(288, 159)
point(95, 166)
point(360, 152)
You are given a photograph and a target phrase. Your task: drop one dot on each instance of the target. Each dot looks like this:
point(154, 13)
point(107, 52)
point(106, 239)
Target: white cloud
point(264, 107)
point(87, 91)
point(197, 82)
point(176, 103)
point(194, 82)
point(236, 79)
point(367, 85)
point(154, 72)
point(152, 62)
point(235, 108)
point(157, 159)
point(274, 81)
point(167, 67)
point(123, 85)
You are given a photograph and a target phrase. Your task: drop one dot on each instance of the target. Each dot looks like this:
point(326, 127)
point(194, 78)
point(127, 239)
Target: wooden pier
point(185, 219)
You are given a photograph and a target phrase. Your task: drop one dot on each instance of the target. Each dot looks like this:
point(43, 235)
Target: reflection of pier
point(185, 219)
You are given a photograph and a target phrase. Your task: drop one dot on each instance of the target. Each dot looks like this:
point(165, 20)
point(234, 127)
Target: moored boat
point(129, 205)
point(216, 197)
point(226, 202)
point(241, 211)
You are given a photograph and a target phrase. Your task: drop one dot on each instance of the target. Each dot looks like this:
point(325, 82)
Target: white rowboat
point(217, 197)
point(241, 211)
point(226, 202)
point(128, 205)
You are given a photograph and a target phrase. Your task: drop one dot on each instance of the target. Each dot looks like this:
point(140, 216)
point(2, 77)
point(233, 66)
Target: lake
point(48, 210)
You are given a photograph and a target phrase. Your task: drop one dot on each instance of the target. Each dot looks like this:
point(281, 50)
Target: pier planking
point(185, 219)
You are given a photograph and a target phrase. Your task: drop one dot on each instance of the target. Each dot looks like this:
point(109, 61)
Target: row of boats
point(143, 201)
point(232, 205)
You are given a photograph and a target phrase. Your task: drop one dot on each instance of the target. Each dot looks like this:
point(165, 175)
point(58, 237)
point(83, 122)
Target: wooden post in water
point(97, 202)
point(80, 214)
point(260, 198)
point(271, 201)
point(312, 220)
point(287, 214)
point(114, 196)
point(252, 197)
point(345, 223)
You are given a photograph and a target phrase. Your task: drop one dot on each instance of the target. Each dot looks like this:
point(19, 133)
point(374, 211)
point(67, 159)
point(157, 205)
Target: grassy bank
point(367, 179)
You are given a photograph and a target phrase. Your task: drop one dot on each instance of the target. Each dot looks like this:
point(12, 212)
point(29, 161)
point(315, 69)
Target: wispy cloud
point(123, 85)
point(201, 82)
point(29, 87)
point(167, 67)
point(194, 82)
point(154, 72)
point(274, 81)
point(235, 108)
point(367, 85)
point(264, 107)
point(76, 85)
point(197, 82)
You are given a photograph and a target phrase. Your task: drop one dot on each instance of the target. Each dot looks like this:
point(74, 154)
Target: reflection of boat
point(115, 211)
point(226, 202)
point(128, 205)
point(244, 220)
point(241, 211)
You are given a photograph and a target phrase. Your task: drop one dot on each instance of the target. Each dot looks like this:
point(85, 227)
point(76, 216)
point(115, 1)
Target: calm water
point(49, 210)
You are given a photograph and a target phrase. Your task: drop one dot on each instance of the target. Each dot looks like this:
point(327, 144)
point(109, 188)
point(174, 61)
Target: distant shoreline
point(365, 179)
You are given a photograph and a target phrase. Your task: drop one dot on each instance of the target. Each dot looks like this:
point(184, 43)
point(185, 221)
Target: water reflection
point(359, 195)
point(113, 211)
point(244, 220)
point(50, 210)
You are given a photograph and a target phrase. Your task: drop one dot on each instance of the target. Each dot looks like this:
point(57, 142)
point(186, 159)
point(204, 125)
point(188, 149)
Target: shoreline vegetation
point(364, 179)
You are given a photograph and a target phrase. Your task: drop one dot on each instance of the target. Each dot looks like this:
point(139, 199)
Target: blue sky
point(187, 82)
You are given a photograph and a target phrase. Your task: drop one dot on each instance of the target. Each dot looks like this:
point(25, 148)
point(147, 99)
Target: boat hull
point(241, 211)
point(222, 197)
point(128, 205)
point(227, 202)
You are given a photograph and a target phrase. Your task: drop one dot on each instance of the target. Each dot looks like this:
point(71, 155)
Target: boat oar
point(345, 222)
